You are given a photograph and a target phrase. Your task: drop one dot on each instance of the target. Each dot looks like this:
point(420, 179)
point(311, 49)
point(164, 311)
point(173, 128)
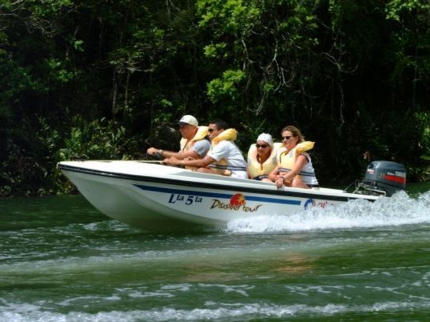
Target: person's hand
point(172, 161)
point(151, 150)
point(279, 182)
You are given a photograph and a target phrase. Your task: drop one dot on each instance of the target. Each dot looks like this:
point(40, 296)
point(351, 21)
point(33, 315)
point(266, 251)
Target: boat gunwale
point(181, 182)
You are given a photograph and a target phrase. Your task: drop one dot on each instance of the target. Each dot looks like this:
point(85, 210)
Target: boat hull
point(157, 197)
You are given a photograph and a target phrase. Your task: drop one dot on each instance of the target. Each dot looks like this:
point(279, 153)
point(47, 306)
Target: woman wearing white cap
point(193, 145)
point(261, 158)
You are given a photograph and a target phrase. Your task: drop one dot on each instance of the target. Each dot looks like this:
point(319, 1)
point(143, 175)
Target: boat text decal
point(310, 203)
point(220, 199)
point(237, 202)
point(188, 200)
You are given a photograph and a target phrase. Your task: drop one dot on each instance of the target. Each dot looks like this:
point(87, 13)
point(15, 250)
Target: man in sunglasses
point(224, 157)
point(193, 145)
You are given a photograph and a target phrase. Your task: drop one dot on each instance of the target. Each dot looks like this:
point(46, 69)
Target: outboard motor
point(382, 178)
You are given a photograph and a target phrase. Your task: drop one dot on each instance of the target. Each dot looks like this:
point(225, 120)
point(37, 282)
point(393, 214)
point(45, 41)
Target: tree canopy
point(95, 80)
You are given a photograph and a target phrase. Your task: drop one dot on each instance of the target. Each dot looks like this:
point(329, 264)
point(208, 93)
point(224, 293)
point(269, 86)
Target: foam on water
point(397, 210)
point(212, 311)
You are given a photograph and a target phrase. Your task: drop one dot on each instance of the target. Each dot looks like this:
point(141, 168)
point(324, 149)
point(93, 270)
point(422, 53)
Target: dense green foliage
point(94, 79)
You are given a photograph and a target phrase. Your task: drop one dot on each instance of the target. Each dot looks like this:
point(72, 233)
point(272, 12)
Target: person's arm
point(301, 161)
point(199, 163)
point(181, 155)
point(273, 175)
point(178, 155)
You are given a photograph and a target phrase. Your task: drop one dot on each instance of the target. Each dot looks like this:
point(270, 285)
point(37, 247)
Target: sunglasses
point(211, 130)
point(261, 146)
point(286, 137)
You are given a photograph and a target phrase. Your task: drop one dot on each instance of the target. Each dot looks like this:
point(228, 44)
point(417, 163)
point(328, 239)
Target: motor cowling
point(384, 177)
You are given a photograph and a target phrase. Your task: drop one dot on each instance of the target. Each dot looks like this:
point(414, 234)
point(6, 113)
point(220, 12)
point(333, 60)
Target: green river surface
point(62, 260)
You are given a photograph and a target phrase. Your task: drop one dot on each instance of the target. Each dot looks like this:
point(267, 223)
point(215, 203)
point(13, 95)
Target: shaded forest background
point(101, 79)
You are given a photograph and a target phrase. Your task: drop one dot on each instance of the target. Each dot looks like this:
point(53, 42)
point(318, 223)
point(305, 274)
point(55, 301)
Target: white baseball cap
point(266, 138)
point(188, 119)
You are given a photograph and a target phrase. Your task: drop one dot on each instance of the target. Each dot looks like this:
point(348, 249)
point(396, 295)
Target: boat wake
point(398, 210)
point(213, 311)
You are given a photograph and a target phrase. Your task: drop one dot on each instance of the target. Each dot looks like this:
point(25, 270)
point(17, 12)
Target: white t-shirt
point(230, 152)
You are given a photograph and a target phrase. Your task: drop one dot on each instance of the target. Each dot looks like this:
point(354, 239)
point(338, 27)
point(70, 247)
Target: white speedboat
point(158, 197)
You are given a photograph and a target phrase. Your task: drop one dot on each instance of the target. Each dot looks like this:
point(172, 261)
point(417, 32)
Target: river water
point(61, 260)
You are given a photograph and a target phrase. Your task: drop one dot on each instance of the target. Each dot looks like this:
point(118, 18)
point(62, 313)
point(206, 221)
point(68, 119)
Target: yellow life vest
point(186, 145)
point(221, 165)
point(229, 134)
point(201, 133)
point(287, 159)
point(257, 170)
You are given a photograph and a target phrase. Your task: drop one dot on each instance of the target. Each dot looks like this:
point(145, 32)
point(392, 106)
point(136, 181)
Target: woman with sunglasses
point(294, 167)
point(261, 158)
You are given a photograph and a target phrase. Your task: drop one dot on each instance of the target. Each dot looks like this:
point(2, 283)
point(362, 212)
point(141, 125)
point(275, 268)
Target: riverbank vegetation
point(102, 79)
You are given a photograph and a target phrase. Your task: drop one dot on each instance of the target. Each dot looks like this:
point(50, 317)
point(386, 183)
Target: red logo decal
point(237, 200)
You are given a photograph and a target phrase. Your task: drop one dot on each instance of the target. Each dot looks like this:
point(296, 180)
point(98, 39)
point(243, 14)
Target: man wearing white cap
point(193, 145)
point(224, 158)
